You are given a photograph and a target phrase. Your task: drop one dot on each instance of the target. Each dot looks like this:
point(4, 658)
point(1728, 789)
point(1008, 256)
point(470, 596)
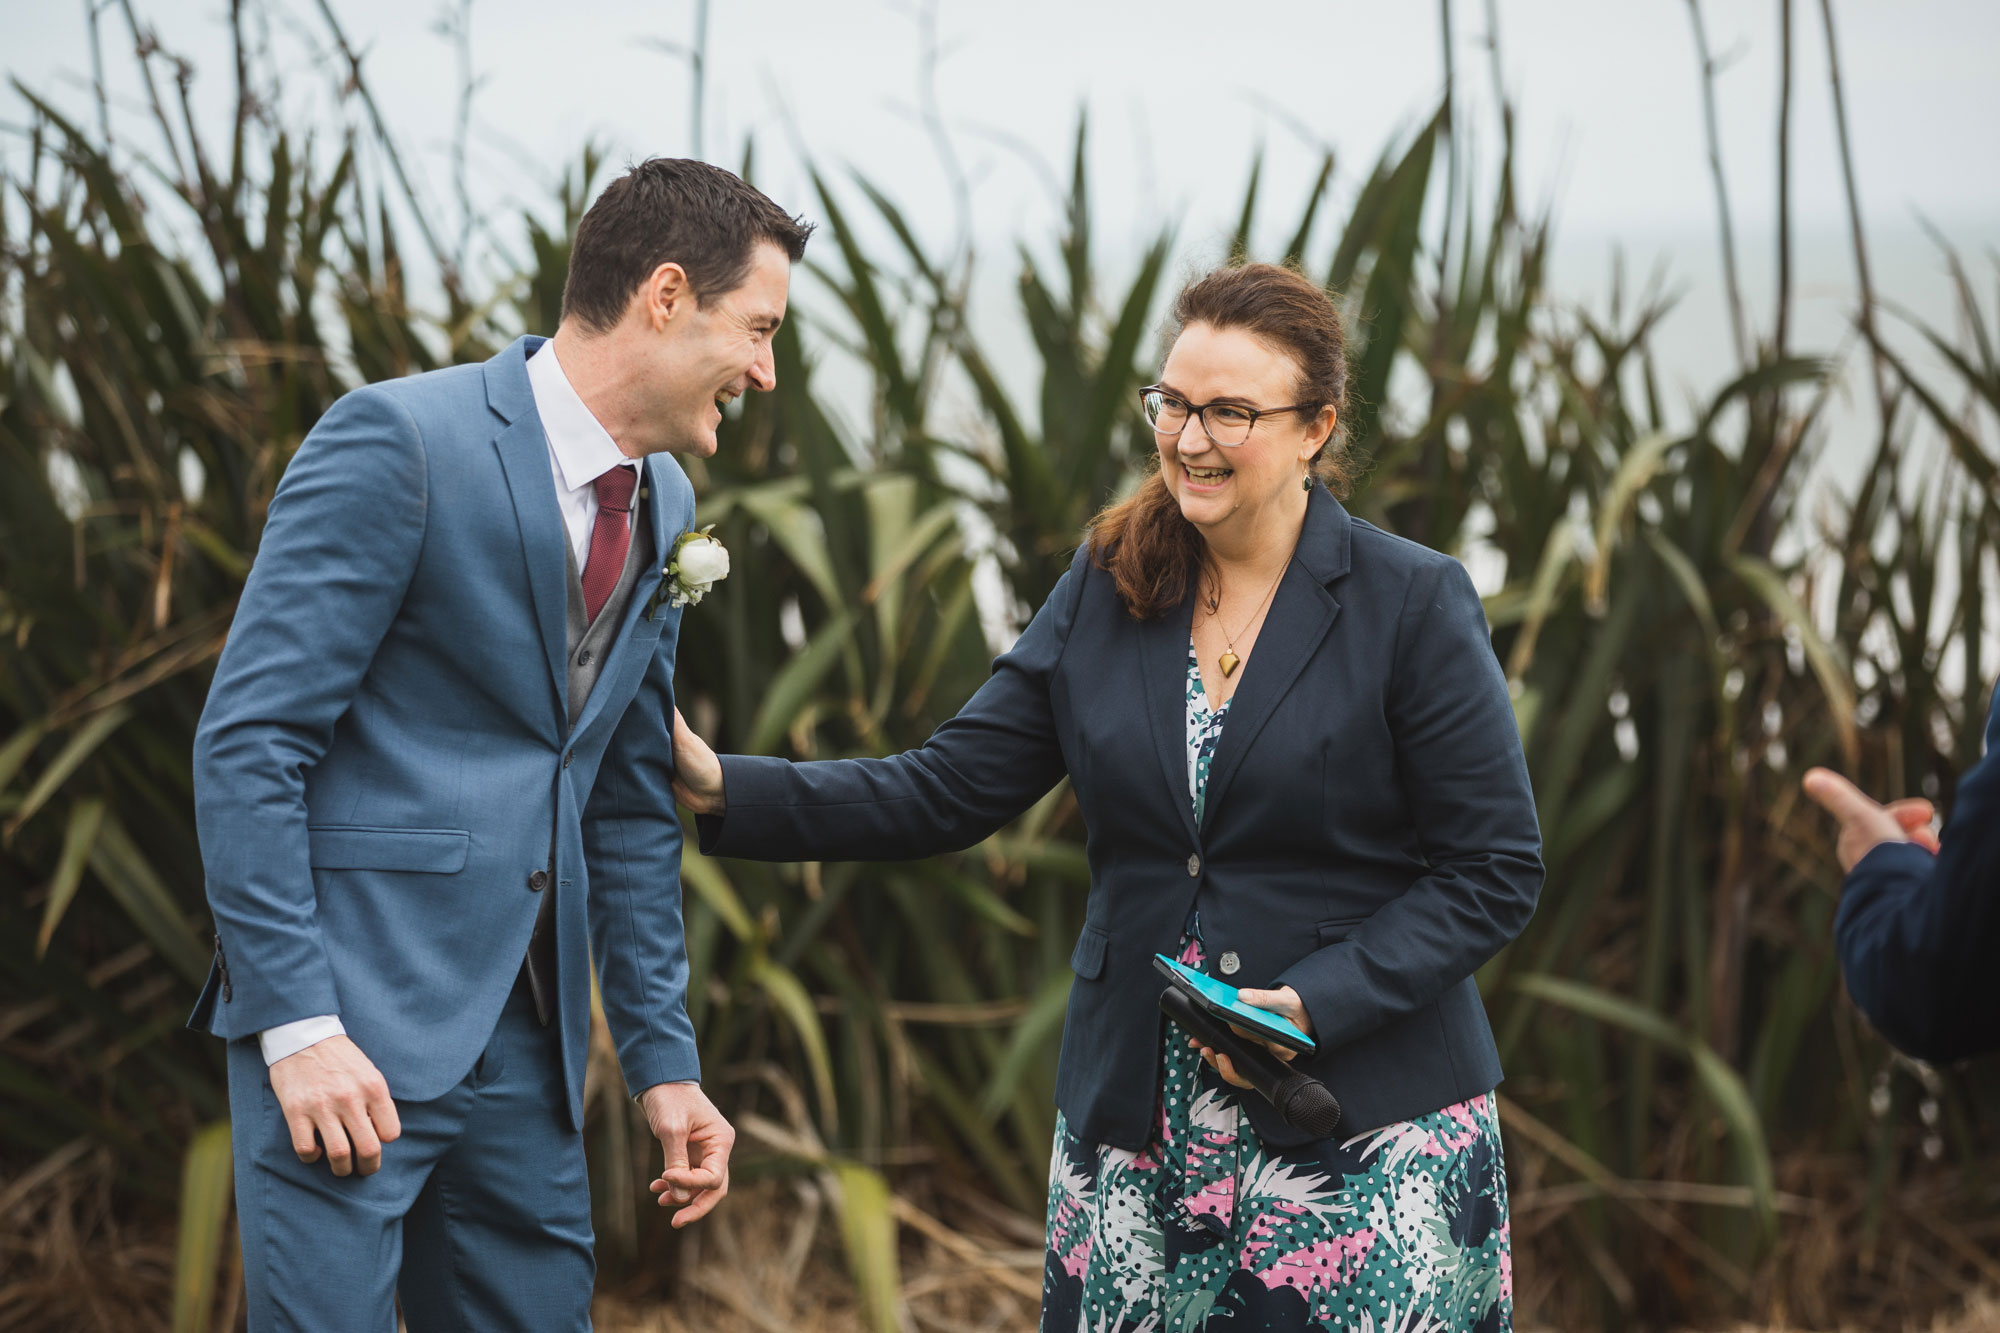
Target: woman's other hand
point(1285, 1003)
point(697, 772)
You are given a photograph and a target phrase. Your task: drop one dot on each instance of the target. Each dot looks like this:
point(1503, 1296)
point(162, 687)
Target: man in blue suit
point(432, 784)
point(1919, 923)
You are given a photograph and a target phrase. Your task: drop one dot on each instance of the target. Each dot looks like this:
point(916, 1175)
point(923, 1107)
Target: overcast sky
point(1180, 96)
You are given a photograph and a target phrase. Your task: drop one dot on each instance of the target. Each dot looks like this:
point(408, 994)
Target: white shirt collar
point(583, 449)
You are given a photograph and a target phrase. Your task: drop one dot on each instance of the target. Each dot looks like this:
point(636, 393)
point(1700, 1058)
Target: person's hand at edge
point(696, 1141)
point(1864, 823)
point(332, 1094)
point(1919, 820)
point(697, 772)
point(1284, 1002)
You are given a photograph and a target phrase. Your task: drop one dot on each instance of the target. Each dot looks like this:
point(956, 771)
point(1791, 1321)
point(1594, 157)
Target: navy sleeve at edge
point(1919, 935)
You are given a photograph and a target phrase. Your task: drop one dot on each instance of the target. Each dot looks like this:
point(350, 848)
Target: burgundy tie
point(610, 537)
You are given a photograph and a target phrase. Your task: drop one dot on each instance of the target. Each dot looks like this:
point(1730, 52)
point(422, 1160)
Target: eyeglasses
point(1228, 424)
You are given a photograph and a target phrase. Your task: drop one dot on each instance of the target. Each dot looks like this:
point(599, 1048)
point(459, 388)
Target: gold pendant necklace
point(1229, 661)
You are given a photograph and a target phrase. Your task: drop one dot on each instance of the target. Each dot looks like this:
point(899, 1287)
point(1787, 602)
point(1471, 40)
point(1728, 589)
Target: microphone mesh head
point(1306, 1104)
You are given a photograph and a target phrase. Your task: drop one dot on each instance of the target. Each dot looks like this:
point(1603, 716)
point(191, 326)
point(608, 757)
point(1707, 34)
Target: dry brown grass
point(771, 1262)
point(67, 1262)
point(1979, 1314)
point(1929, 1251)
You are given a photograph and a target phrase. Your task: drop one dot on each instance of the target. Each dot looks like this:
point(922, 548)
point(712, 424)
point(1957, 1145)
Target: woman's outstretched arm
point(977, 771)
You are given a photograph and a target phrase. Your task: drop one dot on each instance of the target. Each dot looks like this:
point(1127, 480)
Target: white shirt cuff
point(291, 1038)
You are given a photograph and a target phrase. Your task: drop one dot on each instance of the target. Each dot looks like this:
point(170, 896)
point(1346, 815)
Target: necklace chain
point(1229, 661)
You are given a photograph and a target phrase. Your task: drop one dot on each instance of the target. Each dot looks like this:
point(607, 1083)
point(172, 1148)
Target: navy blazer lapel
point(1302, 612)
point(524, 457)
point(1163, 650)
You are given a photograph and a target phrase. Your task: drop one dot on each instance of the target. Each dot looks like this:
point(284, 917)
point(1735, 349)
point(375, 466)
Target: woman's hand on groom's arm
point(697, 1142)
point(332, 1094)
point(697, 772)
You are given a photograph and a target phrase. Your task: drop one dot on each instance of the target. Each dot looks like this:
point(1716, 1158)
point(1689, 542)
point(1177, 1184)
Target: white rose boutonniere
point(698, 563)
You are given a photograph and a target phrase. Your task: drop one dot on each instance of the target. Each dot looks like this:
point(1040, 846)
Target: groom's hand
point(697, 772)
point(332, 1094)
point(697, 1141)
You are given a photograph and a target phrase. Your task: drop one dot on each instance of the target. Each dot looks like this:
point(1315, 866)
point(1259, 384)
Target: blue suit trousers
point(479, 1217)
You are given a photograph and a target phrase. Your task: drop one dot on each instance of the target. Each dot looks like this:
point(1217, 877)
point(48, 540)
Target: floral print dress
point(1402, 1229)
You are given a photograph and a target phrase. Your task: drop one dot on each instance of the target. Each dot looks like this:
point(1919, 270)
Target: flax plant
point(1699, 1127)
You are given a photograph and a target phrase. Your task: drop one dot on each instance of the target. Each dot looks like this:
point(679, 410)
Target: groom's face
point(722, 352)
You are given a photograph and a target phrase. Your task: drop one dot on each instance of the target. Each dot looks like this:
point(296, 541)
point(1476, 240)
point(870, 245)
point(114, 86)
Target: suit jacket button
point(538, 880)
point(1194, 866)
point(567, 758)
point(1231, 964)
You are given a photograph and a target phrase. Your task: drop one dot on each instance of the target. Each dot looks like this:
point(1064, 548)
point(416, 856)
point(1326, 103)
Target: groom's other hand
point(697, 1141)
point(332, 1094)
point(697, 772)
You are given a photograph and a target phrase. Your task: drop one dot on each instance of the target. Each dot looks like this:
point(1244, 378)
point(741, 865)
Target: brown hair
point(671, 210)
point(1153, 553)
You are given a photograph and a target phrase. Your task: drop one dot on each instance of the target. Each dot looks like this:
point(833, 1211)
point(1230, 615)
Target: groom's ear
point(664, 296)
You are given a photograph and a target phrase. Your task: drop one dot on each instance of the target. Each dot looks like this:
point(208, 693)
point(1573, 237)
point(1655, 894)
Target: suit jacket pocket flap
point(1333, 932)
point(437, 851)
point(1087, 959)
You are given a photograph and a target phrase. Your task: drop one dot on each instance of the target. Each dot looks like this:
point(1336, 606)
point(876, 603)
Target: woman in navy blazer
point(1298, 767)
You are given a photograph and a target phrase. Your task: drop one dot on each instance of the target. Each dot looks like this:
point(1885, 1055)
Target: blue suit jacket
point(385, 756)
point(1369, 835)
point(1919, 935)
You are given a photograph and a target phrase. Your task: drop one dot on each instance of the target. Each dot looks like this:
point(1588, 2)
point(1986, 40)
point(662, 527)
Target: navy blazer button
point(1231, 964)
point(538, 880)
point(1194, 866)
point(566, 758)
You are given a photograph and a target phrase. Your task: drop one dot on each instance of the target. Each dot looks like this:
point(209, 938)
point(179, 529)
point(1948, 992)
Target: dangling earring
point(1306, 481)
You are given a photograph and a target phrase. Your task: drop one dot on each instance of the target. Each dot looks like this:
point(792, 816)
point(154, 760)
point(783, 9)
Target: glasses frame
point(1199, 412)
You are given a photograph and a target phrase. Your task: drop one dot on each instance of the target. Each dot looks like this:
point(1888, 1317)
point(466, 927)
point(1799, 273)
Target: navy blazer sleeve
point(1919, 935)
point(977, 771)
point(1458, 752)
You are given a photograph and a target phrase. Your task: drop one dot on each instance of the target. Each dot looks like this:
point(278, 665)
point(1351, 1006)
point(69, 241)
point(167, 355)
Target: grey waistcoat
point(586, 642)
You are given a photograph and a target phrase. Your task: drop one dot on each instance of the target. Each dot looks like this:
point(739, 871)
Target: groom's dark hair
point(671, 210)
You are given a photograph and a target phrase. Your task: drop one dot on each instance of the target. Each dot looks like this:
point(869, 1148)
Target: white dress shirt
point(580, 451)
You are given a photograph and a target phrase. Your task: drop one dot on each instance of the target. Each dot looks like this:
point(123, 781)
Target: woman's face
point(1222, 485)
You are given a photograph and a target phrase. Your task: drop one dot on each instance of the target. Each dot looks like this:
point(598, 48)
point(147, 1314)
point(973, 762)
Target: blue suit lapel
point(524, 457)
point(618, 681)
point(664, 485)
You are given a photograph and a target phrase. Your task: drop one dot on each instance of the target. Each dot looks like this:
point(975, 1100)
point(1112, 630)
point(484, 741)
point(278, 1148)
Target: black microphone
point(1304, 1101)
